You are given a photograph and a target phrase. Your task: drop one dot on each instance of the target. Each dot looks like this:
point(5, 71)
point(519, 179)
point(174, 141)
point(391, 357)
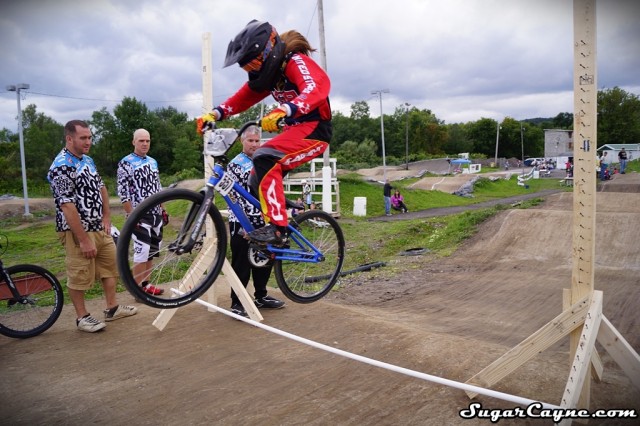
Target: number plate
point(225, 185)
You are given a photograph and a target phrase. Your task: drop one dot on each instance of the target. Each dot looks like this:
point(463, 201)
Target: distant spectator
point(306, 193)
point(387, 197)
point(604, 164)
point(622, 156)
point(397, 202)
point(569, 168)
point(295, 212)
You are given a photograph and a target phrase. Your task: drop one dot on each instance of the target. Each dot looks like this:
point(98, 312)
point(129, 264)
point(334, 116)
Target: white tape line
point(452, 383)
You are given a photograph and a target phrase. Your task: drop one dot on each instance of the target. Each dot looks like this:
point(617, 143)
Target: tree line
point(410, 134)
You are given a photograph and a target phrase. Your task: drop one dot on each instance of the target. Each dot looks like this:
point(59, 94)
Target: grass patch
point(36, 242)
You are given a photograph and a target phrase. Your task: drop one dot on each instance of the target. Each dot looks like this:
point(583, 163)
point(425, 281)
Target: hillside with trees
point(410, 134)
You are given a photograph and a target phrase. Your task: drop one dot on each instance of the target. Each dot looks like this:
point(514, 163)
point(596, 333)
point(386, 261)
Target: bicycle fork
point(17, 297)
point(188, 236)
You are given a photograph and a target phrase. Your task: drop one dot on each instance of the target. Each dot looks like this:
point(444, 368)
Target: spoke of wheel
point(199, 265)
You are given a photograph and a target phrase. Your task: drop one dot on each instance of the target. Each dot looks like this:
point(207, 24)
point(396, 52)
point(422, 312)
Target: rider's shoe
point(269, 234)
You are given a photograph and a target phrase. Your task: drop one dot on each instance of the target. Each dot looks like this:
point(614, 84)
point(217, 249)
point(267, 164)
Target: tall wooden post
point(585, 155)
point(207, 91)
point(582, 317)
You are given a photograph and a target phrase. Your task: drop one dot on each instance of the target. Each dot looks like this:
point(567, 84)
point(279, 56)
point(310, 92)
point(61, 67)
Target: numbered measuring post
point(585, 154)
point(585, 148)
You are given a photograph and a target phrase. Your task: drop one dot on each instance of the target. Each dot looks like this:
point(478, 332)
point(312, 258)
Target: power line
point(109, 100)
point(311, 20)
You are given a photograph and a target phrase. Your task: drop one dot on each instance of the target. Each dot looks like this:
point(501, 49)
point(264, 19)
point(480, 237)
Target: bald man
point(138, 178)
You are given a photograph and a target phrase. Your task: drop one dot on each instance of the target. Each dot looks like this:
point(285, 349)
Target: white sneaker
point(120, 312)
point(90, 324)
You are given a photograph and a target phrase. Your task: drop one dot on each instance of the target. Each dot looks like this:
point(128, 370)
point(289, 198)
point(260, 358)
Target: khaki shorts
point(82, 273)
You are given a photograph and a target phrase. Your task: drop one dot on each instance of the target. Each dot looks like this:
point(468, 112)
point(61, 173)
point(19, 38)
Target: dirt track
point(448, 318)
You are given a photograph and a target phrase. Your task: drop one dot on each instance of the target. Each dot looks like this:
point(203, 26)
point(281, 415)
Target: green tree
point(458, 141)
point(7, 135)
point(43, 139)
point(10, 172)
point(482, 134)
point(563, 120)
point(352, 154)
point(186, 155)
point(618, 117)
point(114, 133)
point(360, 110)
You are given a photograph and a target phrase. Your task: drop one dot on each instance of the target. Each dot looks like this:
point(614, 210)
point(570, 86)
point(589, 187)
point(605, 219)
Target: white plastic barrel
point(359, 206)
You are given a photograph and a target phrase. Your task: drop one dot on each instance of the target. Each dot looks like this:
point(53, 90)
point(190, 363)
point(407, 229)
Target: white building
point(558, 145)
point(633, 151)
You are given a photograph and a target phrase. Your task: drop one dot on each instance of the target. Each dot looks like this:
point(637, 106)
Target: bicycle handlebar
point(219, 145)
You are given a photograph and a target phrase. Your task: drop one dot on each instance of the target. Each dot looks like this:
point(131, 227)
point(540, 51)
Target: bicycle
point(306, 268)
point(31, 299)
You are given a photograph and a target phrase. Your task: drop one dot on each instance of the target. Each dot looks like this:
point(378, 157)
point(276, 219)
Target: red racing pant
point(295, 146)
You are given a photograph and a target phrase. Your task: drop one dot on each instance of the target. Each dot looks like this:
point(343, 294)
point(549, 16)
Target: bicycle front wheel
point(39, 305)
point(303, 281)
point(173, 255)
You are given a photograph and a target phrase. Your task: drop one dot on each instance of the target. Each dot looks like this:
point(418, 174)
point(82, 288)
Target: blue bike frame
point(224, 184)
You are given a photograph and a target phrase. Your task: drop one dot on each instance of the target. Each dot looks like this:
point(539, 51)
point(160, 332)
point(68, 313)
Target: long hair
point(296, 42)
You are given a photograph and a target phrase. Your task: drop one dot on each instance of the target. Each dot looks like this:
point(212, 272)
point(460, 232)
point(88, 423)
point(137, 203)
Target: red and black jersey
point(302, 90)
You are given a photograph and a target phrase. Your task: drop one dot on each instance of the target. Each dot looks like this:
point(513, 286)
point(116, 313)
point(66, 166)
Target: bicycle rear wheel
point(39, 306)
point(192, 270)
point(306, 282)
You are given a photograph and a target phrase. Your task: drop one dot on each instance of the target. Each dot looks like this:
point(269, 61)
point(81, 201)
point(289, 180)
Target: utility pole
point(17, 89)
point(384, 157)
point(406, 138)
point(497, 138)
point(522, 146)
point(323, 50)
point(327, 205)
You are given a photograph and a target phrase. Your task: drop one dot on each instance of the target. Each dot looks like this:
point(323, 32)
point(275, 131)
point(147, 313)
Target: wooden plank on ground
point(546, 336)
point(620, 350)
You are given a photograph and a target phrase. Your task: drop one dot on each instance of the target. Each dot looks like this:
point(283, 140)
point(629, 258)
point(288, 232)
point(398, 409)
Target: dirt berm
point(445, 317)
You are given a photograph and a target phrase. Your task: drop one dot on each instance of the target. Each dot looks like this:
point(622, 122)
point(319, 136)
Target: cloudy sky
point(463, 59)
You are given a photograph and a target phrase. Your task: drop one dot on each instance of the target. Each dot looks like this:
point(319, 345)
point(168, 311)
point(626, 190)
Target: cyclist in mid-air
point(278, 65)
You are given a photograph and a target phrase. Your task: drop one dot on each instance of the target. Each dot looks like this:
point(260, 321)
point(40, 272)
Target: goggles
point(254, 65)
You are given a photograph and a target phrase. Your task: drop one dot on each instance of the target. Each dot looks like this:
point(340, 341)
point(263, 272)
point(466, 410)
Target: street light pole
point(497, 138)
point(17, 89)
point(384, 157)
point(406, 138)
point(522, 146)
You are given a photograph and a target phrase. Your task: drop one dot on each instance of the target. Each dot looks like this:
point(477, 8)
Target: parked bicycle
point(31, 298)
point(195, 240)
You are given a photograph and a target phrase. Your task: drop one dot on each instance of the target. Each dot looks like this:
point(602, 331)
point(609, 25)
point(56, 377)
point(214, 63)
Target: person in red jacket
point(278, 65)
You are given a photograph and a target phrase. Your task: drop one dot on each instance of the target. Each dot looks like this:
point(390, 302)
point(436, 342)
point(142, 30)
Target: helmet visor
point(253, 65)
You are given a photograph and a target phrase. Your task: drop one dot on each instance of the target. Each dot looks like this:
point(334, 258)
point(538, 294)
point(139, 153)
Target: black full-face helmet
point(259, 51)
point(249, 44)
